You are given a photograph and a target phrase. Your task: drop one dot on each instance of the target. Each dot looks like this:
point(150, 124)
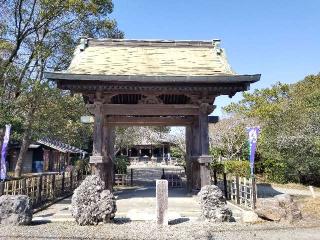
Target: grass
point(310, 207)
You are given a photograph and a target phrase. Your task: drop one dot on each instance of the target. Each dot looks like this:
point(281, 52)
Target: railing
point(43, 188)
point(174, 178)
point(120, 180)
point(239, 190)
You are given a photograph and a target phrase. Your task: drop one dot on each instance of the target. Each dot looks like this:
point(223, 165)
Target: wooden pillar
point(204, 159)
point(188, 136)
point(195, 152)
point(97, 158)
point(108, 155)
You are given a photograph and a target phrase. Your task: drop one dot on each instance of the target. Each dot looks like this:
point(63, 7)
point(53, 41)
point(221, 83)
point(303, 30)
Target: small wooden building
point(44, 155)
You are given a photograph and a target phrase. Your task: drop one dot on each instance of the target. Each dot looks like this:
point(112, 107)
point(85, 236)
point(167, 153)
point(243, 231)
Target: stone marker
point(162, 202)
point(15, 210)
point(312, 192)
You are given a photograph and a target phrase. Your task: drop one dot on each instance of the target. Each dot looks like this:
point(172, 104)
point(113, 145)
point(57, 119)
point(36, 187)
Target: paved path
point(268, 190)
point(133, 204)
point(139, 202)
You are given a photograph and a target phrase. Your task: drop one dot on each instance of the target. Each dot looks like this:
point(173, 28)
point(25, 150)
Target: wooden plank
point(150, 109)
point(148, 121)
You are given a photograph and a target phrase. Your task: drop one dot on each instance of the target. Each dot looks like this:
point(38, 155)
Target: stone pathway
point(132, 204)
point(138, 203)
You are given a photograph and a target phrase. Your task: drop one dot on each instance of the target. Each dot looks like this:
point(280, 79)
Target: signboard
point(253, 138)
point(3, 169)
point(87, 119)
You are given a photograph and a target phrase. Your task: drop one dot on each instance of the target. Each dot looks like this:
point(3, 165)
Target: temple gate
point(143, 82)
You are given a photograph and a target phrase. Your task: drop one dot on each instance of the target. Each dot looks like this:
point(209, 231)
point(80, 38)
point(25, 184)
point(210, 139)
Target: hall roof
point(150, 61)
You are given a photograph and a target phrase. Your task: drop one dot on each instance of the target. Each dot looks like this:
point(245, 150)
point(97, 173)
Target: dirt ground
point(176, 230)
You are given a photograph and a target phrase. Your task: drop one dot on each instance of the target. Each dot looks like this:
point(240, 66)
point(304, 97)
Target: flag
point(3, 169)
point(253, 138)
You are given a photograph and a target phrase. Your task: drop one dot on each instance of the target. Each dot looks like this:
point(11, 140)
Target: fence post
point(131, 177)
point(225, 186)
point(71, 181)
point(24, 186)
point(53, 186)
point(62, 182)
point(1, 188)
point(215, 176)
point(254, 192)
point(39, 190)
point(237, 190)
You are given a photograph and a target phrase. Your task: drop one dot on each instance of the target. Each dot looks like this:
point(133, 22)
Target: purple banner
point(253, 138)
point(3, 170)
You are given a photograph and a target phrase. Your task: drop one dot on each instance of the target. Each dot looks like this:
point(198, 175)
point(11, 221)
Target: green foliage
point(176, 152)
point(289, 116)
point(218, 166)
point(237, 168)
point(121, 164)
point(82, 164)
point(275, 170)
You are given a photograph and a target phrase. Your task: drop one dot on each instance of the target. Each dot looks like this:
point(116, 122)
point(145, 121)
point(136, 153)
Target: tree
point(228, 137)
point(290, 121)
point(38, 36)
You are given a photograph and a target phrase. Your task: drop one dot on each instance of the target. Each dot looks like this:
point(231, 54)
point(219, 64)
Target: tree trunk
point(22, 154)
point(25, 144)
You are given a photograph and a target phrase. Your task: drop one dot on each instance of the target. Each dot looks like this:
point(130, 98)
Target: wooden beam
point(148, 121)
point(150, 109)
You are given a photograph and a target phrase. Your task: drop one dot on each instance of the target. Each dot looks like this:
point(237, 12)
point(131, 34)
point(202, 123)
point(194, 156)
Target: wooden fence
point(43, 188)
point(174, 178)
point(239, 190)
point(121, 180)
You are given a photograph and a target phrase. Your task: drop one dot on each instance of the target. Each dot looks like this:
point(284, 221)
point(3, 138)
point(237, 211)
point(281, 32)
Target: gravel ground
point(148, 230)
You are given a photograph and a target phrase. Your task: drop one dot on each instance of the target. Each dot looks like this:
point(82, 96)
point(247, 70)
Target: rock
point(250, 217)
point(91, 203)
point(269, 208)
point(280, 208)
point(213, 204)
point(15, 210)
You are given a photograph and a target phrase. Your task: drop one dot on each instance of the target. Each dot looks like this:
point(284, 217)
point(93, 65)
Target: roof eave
point(219, 78)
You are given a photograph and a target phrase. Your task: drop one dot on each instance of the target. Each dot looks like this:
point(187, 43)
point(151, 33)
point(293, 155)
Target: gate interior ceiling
point(143, 82)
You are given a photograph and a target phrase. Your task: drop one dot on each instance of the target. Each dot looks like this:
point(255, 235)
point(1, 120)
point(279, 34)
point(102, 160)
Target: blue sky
point(278, 38)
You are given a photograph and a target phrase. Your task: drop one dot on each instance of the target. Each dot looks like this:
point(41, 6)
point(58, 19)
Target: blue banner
point(3, 169)
point(253, 138)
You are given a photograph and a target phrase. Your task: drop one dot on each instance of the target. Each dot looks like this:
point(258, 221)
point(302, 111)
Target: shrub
point(218, 166)
point(275, 170)
point(234, 167)
point(237, 167)
point(82, 164)
point(121, 164)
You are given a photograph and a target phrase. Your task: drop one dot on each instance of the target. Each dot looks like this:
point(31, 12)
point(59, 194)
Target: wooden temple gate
point(151, 83)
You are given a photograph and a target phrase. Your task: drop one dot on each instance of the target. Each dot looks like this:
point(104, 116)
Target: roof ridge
point(149, 42)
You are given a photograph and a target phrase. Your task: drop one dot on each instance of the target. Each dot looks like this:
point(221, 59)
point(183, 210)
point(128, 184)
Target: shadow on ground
point(265, 190)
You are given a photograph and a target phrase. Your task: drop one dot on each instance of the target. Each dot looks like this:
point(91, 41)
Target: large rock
point(250, 217)
point(213, 204)
point(91, 203)
point(281, 207)
point(15, 210)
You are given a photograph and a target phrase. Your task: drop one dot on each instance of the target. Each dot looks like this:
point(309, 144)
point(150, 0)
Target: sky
point(279, 39)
